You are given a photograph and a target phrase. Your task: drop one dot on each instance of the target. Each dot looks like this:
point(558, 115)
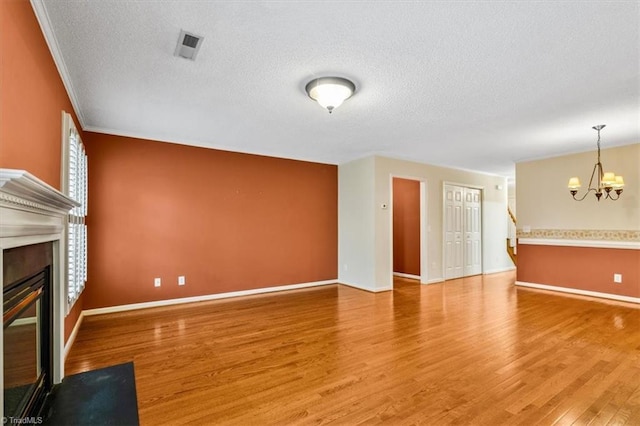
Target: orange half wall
point(582, 268)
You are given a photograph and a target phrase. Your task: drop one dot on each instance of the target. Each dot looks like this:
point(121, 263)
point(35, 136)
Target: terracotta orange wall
point(227, 221)
point(406, 226)
point(582, 268)
point(31, 103)
point(33, 96)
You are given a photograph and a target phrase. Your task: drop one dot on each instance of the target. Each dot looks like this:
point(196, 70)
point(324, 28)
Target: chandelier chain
point(598, 145)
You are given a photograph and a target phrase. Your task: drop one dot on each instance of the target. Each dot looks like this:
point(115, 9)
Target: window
point(74, 185)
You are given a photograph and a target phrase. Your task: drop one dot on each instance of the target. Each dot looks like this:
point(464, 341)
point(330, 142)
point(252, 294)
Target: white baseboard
point(580, 292)
point(73, 335)
point(369, 289)
point(497, 271)
point(410, 276)
point(358, 286)
point(435, 280)
point(168, 302)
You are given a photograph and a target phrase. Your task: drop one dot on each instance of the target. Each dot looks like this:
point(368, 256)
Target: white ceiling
point(475, 85)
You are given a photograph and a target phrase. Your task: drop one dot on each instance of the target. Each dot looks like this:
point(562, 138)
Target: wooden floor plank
point(473, 351)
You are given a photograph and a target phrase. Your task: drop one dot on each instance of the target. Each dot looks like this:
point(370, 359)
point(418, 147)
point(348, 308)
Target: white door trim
point(424, 226)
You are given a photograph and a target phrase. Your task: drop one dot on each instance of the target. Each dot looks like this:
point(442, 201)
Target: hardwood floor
point(475, 351)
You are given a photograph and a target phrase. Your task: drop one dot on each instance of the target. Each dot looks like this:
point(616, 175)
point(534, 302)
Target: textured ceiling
point(472, 85)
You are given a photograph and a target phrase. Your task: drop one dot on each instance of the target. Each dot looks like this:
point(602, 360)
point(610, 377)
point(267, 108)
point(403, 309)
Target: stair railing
point(511, 240)
point(511, 215)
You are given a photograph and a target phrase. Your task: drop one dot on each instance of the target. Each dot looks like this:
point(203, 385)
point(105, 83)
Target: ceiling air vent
point(188, 45)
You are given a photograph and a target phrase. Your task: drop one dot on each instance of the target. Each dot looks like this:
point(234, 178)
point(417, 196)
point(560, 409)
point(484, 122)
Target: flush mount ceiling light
point(330, 92)
point(607, 181)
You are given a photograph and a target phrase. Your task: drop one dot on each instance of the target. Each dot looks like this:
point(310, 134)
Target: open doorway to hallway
point(406, 229)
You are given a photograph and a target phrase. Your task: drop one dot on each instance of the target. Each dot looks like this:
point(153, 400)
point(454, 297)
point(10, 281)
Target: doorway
point(462, 231)
point(420, 230)
point(406, 228)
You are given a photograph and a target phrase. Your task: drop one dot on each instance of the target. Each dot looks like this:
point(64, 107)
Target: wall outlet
point(181, 280)
point(157, 282)
point(617, 278)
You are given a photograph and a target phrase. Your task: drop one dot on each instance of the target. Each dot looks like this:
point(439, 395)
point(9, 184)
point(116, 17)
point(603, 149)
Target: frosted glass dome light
point(330, 92)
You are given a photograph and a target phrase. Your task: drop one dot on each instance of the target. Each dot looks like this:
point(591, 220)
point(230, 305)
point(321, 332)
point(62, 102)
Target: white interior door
point(472, 232)
point(463, 231)
point(453, 223)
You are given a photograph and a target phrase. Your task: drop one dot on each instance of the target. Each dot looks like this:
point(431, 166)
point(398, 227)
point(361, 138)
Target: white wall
point(364, 227)
point(494, 216)
point(356, 232)
point(544, 201)
point(495, 231)
point(511, 196)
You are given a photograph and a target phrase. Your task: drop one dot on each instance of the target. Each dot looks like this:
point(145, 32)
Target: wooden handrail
point(511, 215)
point(511, 252)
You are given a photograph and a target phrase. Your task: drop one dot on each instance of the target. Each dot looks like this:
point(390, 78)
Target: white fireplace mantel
point(33, 212)
point(30, 207)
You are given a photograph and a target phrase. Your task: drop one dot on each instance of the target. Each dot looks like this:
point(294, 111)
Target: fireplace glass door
point(21, 363)
point(26, 344)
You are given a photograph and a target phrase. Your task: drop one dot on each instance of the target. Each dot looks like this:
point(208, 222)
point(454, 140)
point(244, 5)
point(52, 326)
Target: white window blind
point(75, 180)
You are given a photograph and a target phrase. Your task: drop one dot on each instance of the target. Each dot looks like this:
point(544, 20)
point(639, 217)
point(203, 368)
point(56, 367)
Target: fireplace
point(26, 314)
point(33, 217)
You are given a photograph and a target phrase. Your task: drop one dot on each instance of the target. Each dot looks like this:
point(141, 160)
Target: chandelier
point(608, 183)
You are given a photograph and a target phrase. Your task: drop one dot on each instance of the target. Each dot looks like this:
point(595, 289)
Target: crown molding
point(42, 16)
